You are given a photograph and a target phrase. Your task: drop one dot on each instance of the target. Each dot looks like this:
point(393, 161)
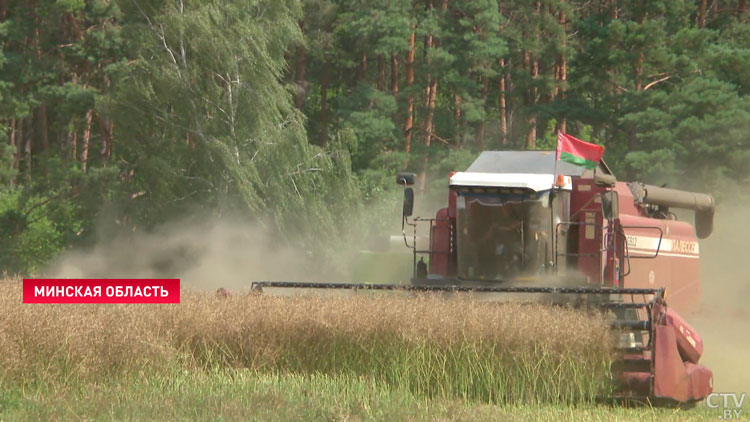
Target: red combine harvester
point(514, 228)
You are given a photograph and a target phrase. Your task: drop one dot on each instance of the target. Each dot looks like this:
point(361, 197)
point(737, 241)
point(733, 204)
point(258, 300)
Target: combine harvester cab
point(519, 227)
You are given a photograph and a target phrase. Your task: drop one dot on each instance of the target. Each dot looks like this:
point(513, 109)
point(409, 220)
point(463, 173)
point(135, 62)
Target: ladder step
point(631, 325)
point(623, 305)
point(631, 365)
point(629, 350)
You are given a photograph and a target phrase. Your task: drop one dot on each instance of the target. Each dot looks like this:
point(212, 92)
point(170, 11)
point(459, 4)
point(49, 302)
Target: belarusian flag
point(578, 152)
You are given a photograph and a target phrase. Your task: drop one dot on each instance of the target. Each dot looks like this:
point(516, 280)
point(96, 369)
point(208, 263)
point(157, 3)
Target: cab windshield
point(501, 236)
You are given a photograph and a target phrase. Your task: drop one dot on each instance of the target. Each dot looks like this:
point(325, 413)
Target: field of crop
point(272, 358)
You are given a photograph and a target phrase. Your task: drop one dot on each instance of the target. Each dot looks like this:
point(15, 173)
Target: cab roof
point(528, 162)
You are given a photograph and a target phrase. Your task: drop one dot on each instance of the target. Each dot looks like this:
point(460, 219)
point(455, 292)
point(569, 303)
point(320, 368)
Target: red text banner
point(101, 290)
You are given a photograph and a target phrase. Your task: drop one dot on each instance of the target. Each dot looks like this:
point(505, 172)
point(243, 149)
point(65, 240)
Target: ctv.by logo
point(732, 404)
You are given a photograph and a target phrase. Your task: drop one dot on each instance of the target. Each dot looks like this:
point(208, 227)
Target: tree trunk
point(457, 118)
point(429, 104)
point(533, 67)
point(105, 127)
point(14, 145)
point(73, 132)
point(362, 68)
point(638, 84)
point(12, 137)
point(394, 74)
point(27, 150)
point(73, 141)
point(702, 14)
point(43, 126)
point(502, 105)
point(409, 122)
point(531, 137)
point(480, 128)
point(19, 143)
point(301, 67)
point(324, 109)
point(431, 94)
point(381, 72)
point(638, 71)
point(86, 138)
point(531, 133)
point(531, 62)
point(42, 113)
point(394, 85)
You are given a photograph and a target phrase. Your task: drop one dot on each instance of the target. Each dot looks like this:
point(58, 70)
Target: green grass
point(245, 395)
point(268, 358)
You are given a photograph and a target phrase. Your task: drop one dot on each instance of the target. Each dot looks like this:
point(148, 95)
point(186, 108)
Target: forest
point(298, 113)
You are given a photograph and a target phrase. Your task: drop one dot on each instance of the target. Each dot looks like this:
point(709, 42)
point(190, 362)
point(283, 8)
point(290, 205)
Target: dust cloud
point(204, 253)
point(208, 252)
point(724, 317)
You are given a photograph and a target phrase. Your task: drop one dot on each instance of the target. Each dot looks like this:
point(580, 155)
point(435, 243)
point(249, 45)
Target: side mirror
point(602, 179)
point(406, 179)
point(610, 204)
point(408, 202)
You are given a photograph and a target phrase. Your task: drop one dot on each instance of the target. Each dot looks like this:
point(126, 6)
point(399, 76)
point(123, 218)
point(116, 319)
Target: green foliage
point(33, 230)
point(369, 117)
point(7, 172)
point(232, 140)
point(153, 109)
point(702, 126)
point(71, 6)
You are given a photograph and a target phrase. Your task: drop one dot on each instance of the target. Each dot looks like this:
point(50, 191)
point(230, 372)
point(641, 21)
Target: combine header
point(515, 229)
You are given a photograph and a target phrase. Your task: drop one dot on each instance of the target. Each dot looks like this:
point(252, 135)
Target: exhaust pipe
point(703, 204)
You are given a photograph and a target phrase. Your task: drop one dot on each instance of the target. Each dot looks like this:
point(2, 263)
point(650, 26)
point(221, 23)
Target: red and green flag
point(578, 152)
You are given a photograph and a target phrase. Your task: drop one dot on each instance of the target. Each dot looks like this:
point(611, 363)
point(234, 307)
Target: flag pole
point(557, 158)
point(553, 228)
